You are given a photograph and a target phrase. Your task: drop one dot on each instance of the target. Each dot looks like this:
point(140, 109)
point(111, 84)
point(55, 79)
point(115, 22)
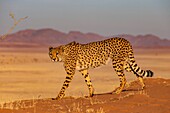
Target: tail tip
point(150, 73)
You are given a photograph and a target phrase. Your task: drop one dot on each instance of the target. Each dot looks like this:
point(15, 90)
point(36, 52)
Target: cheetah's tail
point(136, 69)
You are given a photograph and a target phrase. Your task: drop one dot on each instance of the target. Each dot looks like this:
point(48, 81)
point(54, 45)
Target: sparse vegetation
point(20, 104)
point(94, 101)
point(75, 107)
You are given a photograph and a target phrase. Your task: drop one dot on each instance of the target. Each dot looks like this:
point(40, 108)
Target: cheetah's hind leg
point(119, 70)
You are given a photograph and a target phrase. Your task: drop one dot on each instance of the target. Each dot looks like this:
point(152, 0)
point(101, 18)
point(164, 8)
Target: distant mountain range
point(50, 37)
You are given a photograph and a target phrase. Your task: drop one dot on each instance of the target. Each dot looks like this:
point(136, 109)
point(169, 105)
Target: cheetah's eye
point(57, 53)
point(50, 54)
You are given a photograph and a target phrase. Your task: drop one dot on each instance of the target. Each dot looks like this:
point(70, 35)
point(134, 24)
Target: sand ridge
point(153, 99)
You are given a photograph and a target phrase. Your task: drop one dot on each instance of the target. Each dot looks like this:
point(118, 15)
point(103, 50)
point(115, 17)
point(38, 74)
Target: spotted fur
point(81, 57)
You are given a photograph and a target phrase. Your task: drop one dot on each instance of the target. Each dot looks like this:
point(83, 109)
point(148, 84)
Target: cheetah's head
point(56, 54)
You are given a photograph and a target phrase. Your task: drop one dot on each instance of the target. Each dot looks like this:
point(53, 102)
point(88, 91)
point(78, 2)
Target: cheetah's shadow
point(123, 91)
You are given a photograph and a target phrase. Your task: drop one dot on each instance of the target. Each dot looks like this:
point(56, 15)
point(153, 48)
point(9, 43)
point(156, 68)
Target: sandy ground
point(29, 74)
point(154, 99)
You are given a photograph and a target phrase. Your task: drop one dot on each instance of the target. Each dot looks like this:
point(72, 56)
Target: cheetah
point(81, 57)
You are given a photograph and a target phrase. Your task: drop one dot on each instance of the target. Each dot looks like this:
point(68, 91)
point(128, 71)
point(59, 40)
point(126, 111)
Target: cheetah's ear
point(73, 43)
point(62, 48)
point(50, 48)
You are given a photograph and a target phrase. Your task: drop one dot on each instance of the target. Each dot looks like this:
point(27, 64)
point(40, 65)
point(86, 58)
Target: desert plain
point(28, 79)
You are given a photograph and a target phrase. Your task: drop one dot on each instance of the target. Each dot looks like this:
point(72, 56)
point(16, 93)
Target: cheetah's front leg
point(64, 87)
point(88, 82)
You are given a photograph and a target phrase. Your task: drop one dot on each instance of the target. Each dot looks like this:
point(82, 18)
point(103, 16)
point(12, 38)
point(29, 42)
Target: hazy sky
point(105, 17)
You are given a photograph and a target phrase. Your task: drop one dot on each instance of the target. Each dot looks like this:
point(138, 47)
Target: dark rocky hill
point(47, 37)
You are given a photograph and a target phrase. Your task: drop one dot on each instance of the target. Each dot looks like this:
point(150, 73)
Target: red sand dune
point(154, 99)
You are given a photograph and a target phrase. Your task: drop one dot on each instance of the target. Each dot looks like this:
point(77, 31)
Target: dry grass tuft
point(19, 105)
